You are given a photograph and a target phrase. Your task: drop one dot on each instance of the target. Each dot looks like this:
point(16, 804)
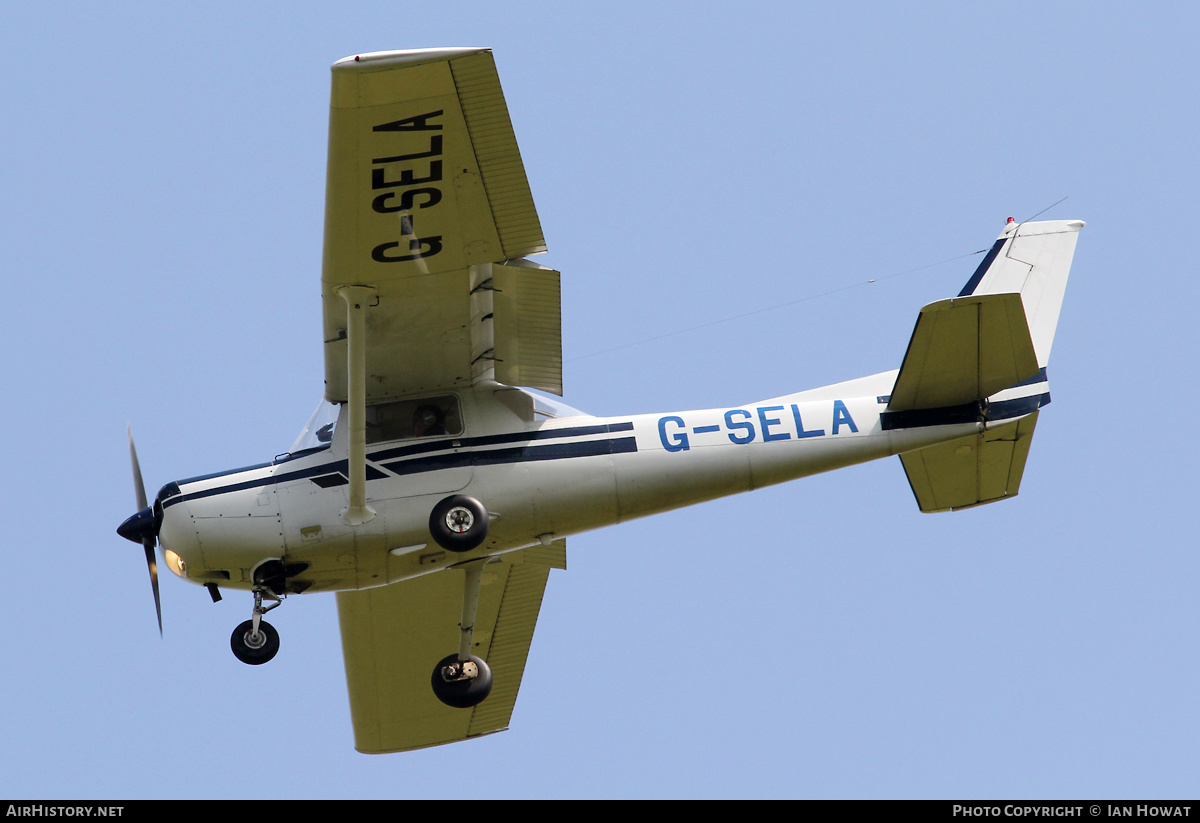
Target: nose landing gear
point(252, 646)
point(255, 641)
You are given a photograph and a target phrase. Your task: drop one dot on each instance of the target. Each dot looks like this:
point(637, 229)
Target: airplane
point(433, 491)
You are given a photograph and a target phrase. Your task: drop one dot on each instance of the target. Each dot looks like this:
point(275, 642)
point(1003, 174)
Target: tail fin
point(992, 341)
point(1032, 259)
point(997, 333)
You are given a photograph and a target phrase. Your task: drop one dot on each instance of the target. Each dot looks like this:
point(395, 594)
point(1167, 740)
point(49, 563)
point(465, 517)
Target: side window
point(403, 419)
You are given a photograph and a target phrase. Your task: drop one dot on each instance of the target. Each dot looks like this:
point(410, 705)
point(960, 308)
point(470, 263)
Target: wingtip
point(381, 59)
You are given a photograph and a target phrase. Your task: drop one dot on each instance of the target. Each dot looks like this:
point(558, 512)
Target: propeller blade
point(139, 487)
point(135, 527)
point(152, 565)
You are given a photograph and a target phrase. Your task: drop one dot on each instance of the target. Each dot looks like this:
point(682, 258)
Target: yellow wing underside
point(392, 637)
point(425, 191)
point(428, 206)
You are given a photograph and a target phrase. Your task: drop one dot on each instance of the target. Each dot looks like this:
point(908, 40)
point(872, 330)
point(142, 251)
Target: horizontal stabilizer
point(980, 468)
point(964, 349)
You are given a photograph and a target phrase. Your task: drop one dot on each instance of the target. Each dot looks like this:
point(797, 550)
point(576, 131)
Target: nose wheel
point(254, 648)
point(255, 641)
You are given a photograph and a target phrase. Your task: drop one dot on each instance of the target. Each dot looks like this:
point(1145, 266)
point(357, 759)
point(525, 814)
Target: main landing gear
point(461, 683)
point(463, 680)
point(459, 523)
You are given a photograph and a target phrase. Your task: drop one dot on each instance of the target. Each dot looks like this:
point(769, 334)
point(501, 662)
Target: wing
point(392, 637)
point(425, 192)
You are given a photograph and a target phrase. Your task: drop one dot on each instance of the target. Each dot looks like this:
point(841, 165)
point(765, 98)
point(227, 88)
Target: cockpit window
point(318, 431)
point(426, 417)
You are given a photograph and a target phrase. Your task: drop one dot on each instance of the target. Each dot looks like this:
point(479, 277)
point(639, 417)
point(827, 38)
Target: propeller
point(143, 527)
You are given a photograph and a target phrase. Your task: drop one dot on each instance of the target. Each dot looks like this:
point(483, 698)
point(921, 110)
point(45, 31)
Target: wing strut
point(357, 299)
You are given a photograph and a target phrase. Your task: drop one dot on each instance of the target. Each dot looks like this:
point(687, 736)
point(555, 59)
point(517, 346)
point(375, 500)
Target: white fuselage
point(539, 479)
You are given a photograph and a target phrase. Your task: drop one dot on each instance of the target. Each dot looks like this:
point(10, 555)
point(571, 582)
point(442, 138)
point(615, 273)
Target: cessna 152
point(434, 495)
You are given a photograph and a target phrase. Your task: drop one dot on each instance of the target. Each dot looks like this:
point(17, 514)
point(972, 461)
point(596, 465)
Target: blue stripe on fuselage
point(458, 458)
point(966, 413)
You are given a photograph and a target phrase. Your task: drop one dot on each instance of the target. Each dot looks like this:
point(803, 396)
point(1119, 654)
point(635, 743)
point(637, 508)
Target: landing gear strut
point(256, 641)
point(463, 680)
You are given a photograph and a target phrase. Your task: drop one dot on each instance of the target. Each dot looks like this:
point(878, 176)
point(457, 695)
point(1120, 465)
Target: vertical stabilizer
point(980, 348)
point(1034, 260)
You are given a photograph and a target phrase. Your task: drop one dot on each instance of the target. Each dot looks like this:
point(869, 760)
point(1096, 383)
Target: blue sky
point(164, 187)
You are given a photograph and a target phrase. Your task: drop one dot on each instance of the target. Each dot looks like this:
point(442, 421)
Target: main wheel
point(460, 691)
point(251, 649)
point(459, 523)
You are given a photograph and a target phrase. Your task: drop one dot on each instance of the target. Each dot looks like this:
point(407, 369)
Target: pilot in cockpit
point(428, 420)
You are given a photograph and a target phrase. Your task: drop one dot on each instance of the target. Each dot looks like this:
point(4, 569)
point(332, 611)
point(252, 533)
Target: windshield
point(318, 431)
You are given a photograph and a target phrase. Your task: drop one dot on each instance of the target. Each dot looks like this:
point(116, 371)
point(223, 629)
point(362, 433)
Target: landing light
point(175, 563)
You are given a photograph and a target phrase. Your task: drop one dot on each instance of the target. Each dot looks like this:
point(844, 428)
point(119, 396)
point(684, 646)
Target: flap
point(393, 636)
point(528, 331)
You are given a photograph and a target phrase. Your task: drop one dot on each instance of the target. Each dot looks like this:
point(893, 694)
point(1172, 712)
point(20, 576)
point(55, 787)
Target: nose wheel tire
point(459, 523)
point(461, 685)
point(254, 649)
